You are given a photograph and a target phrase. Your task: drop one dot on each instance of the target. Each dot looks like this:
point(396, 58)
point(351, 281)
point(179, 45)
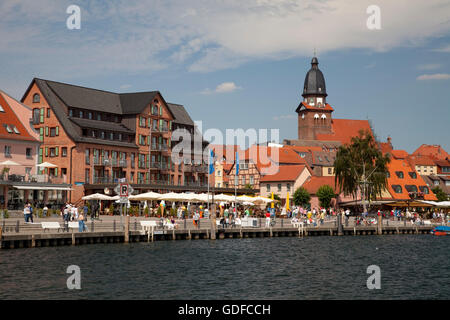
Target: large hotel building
point(96, 138)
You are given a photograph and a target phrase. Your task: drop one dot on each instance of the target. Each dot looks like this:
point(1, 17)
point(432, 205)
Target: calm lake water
point(412, 267)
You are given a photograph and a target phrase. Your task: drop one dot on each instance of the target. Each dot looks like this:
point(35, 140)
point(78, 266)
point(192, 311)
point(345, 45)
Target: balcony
point(188, 168)
point(103, 180)
point(201, 169)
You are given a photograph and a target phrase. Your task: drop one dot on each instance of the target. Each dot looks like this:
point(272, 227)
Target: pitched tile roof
point(344, 129)
point(302, 104)
point(285, 173)
point(10, 118)
point(180, 114)
point(435, 151)
point(401, 165)
point(399, 154)
point(313, 184)
point(417, 160)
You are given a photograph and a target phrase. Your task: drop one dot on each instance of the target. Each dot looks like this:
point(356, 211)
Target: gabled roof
point(435, 151)
point(313, 184)
point(397, 165)
point(285, 173)
point(10, 118)
point(134, 103)
point(416, 160)
point(180, 114)
point(323, 158)
point(443, 163)
point(306, 106)
point(399, 154)
point(344, 129)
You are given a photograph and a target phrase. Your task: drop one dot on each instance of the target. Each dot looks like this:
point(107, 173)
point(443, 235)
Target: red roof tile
point(399, 154)
point(285, 173)
point(8, 117)
point(434, 151)
point(344, 129)
point(313, 184)
point(415, 160)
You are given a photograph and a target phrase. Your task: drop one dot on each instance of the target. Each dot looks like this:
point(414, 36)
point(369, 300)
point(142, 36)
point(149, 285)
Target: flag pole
point(209, 164)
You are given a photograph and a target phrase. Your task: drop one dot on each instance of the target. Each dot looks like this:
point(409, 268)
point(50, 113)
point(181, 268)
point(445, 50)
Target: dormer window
point(16, 130)
point(8, 128)
point(413, 175)
point(311, 101)
point(316, 116)
point(397, 188)
point(1, 108)
point(36, 98)
point(399, 174)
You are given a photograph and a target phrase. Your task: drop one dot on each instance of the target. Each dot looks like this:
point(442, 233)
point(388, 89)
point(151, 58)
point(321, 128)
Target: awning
point(42, 188)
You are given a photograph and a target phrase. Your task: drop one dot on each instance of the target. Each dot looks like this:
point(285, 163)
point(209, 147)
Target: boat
point(441, 231)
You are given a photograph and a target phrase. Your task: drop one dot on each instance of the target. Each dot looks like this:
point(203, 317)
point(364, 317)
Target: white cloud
point(436, 76)
point(125, 86)
point(225, 87)
point(145, 36)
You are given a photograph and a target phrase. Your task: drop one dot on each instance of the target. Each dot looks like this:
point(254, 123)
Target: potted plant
point(111, 209)
point(146, 212)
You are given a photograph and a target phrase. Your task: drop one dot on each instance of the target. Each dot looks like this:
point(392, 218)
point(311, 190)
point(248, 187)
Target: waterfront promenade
point(15, 233)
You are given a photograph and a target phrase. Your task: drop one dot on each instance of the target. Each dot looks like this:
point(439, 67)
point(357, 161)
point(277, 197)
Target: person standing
point(81, 226)
point(26, 212)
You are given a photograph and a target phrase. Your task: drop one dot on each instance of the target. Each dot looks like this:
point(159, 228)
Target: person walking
point(45, 210)
point(31, 212)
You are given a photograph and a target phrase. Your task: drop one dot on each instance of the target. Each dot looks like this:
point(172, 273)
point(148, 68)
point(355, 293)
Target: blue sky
point(237, 64)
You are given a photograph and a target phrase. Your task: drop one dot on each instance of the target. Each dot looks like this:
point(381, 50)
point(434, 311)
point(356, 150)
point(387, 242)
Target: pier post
point(380, 225)
point(189, 234)
point(73, 239)
point(127, 229)
point(339, 224)
point(354, 231)
point(33, 241)
point(271, 233)
point(174, 237)
point(240, 233)
point(1, 236)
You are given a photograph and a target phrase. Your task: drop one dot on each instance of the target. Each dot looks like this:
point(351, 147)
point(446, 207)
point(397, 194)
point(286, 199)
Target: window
point(424, 190)
point(102, 135)
point(8, 128)
point(388, 175)
point(48, 112)
point(36, 116)
point(90, 115)
point(52, 152)
point(119, 136)
point(111, 136)
point(8, 151)
point(94, 133)
point(28, 153)
point(446, 169)
point(99, 116)
point(279, 187)
point(411, 188)
point(330, 170)
point(52, 132)
point(142, 122)
point(1, 108)
point(36, 98)
point(81, 114)
point(87, 156)
point(436, 182)
point(132, 160)
point(64, 152)
point(252, 180)
point(70, 113)
point(447, 183)
point(399, 174)
point(219, 173)
point(412, 175)
point(86, 176)
point(397, 188)
point(288, 186)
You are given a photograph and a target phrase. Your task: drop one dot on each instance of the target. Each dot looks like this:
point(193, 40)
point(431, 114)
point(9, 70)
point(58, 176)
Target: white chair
point(147, 225)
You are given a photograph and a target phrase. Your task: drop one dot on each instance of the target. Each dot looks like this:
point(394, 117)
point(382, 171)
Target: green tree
point(301, 197)
point(440, 194)
point(325, 194)
point(361, 167)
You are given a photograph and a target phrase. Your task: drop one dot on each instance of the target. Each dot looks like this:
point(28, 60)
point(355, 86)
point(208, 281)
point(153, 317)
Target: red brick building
point(97, 137)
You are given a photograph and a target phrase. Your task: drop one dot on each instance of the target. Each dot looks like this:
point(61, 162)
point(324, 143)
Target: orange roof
point(415, 160)
point(304, 149)
point(344, 129)
point(399, 154)
point(314, 183)
point(434, 151)
point(226, 151)
point(8, 117)
point(401, 165)
point(327, 107)
point(285, 173)
point(385, 147)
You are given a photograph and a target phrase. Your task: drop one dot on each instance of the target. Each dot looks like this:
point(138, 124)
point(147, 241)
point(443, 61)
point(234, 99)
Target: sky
point(242, 64)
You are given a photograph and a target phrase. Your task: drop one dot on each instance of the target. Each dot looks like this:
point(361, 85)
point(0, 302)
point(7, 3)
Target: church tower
point(314, 114)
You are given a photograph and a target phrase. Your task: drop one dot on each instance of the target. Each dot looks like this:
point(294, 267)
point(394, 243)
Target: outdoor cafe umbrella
point(9, 163)
point(97, 196)
point(173, 196)
point(245, 199)
point(46, 165)
point(145, 196)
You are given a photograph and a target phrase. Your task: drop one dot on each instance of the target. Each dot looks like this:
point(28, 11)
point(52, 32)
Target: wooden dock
point(12, 241)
